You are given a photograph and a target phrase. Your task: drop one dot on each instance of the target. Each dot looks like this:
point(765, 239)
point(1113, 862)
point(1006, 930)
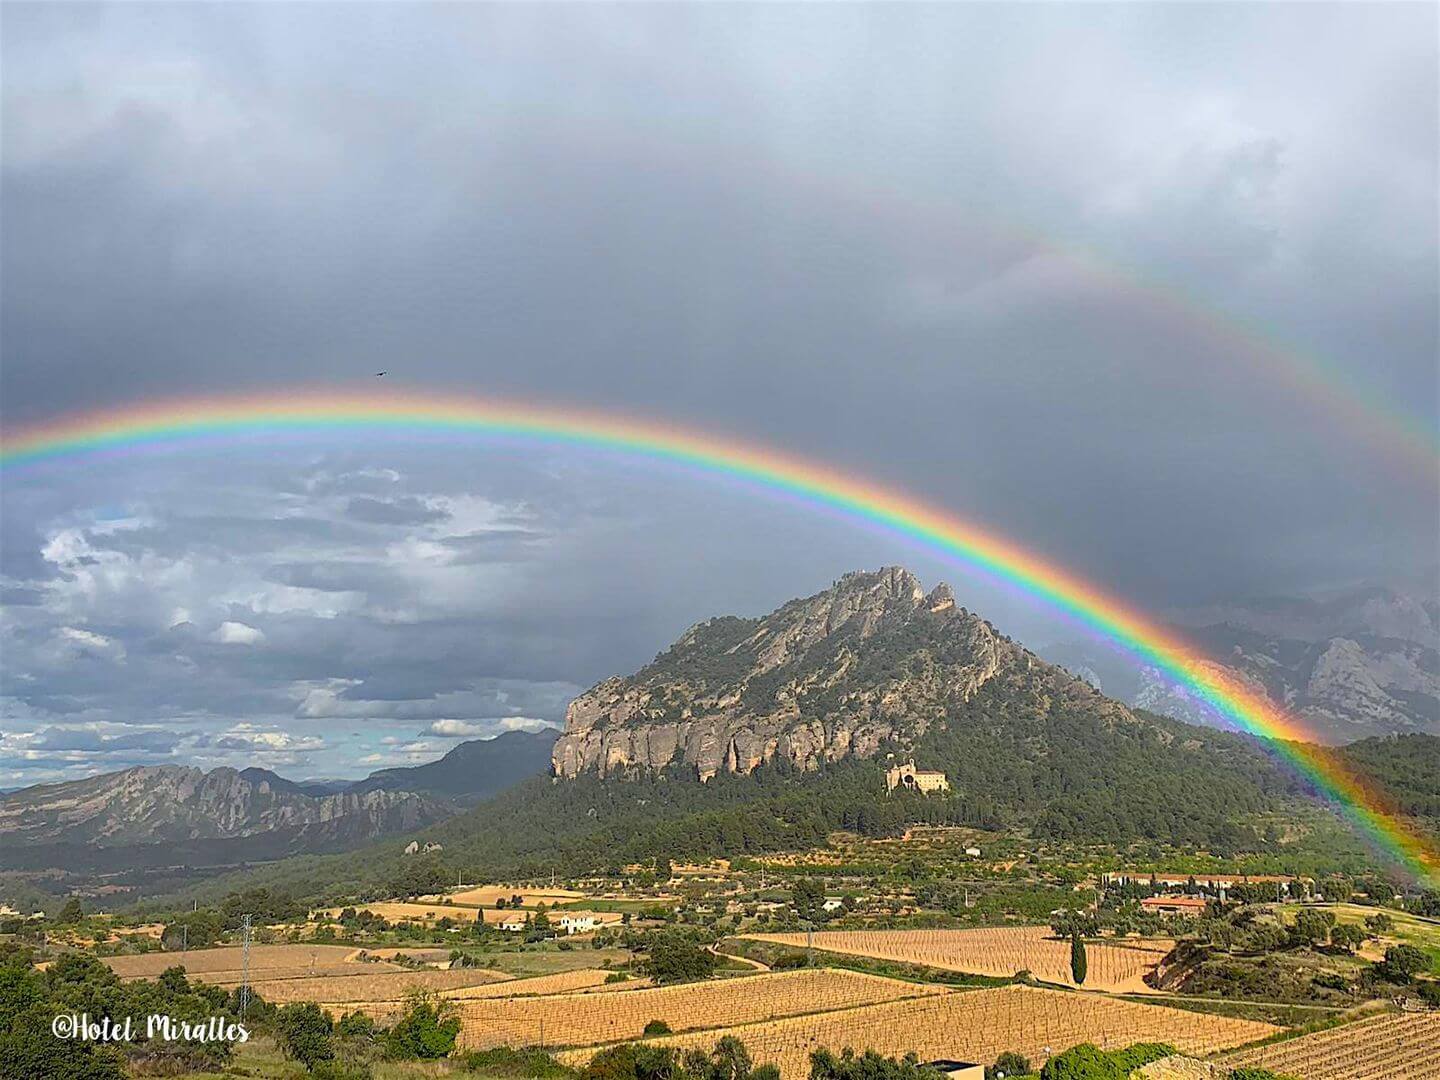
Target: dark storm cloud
point(1014, 259)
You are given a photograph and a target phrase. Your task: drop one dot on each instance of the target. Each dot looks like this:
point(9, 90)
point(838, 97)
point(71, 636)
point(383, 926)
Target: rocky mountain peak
point(874, 659)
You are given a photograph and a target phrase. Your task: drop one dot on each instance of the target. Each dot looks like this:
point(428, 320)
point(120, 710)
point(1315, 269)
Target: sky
point(1150, 289)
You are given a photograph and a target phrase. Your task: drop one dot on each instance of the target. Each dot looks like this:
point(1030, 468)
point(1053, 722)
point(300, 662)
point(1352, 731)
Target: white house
point(514, 924)
point(832, 904)
point(578, 924)
point(973, 852)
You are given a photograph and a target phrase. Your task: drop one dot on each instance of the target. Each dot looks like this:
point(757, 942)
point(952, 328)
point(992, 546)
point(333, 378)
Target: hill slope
point(472, 770)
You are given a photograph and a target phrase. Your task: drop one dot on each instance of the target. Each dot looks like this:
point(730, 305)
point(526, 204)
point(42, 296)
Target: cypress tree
point(1078, 962)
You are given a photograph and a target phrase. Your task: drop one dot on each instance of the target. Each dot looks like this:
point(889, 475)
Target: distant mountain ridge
point(254, 813)
point(160, 803)
point(1354, 665)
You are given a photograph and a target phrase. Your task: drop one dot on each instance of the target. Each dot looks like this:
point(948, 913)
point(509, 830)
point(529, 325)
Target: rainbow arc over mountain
point(943, 534)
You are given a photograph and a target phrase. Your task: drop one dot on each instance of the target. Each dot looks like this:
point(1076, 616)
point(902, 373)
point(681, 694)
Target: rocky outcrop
point(871, 661)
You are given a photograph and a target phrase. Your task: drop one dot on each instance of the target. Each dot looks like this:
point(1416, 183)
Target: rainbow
point(163, 423)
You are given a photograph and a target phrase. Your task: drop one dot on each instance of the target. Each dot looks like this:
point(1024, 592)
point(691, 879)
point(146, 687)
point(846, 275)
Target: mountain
point(163, 804)
point(472, 770)
point(872, 660)
point(876, 666)
point(1354, 665)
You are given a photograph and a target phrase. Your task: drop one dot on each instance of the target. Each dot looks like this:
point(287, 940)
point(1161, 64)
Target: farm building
point(907, 776)
point(832, 903)
point(578, 924)
point(1174, 905)
point(515, 924)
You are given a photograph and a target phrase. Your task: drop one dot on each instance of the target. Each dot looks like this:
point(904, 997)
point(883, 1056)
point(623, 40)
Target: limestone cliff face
point(873, 658)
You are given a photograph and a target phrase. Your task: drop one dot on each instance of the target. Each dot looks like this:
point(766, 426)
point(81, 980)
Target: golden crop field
point(1000, 951)
point(386, 1008)
point(265, 960)
point(976, 1025)
point(487, 895)
point(367, 985)
point(587, 1019)
point(1403, 1046)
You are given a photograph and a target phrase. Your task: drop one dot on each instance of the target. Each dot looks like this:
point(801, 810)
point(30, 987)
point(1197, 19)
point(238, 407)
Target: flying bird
point(381, 374)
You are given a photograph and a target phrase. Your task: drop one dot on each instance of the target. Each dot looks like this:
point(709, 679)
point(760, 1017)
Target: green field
point(1409, 929)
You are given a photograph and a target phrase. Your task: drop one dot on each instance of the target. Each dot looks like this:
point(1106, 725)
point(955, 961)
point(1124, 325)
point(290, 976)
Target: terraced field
point(1000, 951)
point(973, 1026)
point(367, 985)
point(588, 1019)
point(385, 1007)
point(1403, 1046)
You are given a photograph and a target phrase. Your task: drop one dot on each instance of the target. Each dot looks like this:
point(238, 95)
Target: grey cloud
point(406, 511)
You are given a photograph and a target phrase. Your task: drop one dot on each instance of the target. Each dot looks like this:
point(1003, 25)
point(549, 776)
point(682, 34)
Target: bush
point(674, 959)
point(305, 1033)
point(657, 1027)
point(508, 1063)
point(1008, 1064)
point(336, 1069)
point(426, 1031)
point(790, 960)
point(1088, 1062)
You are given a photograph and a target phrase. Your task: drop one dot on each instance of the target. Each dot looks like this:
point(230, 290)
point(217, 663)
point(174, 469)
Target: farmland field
point(384, 1005)
point(587, 1019)
point(1000, 951)
point(266, 961)
point(366, 984)
point(974, 1026)
point(1393, 1047)
point(487, 895)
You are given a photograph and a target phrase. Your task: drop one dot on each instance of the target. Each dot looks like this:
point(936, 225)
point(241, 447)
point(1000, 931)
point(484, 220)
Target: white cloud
point(237, 633)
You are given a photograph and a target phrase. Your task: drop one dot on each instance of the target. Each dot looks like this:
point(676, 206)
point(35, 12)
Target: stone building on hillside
point(907, 776)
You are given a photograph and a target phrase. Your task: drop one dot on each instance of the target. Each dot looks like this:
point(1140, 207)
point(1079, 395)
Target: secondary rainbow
point(160, 423)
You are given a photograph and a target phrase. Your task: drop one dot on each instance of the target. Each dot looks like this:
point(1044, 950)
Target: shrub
point(305, 1033)
point(788, 961)
point(336, 1069)
point(657, 1027)
point(1008, 1064)
point(427, 1030)
point(674, 959)
point(1088, 1062)
point(508, 1063)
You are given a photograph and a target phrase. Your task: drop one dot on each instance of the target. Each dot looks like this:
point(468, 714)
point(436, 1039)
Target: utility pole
point(185, 938)
point(244, 965)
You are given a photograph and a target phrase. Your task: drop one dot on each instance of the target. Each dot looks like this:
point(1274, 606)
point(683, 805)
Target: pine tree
point(1078, 963)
